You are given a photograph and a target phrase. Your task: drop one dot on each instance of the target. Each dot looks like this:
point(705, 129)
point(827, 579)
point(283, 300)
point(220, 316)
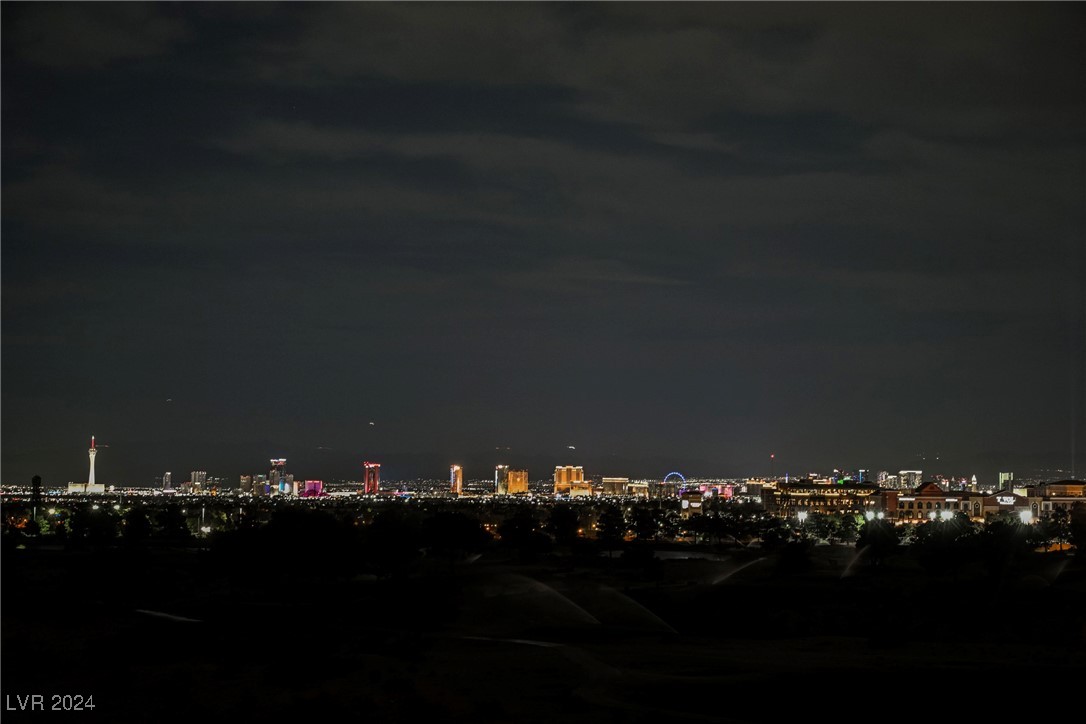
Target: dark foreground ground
point(179, 636)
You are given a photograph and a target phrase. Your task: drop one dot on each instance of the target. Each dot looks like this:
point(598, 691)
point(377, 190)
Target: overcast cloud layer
point(681, 235)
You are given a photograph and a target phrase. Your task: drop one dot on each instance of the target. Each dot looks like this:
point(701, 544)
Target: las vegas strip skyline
point(680, 237)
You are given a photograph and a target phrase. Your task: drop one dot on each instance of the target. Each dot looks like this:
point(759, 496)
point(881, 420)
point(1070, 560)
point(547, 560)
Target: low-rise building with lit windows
point(928, 501)
point(580, 489)
point(690, 502)
point(807, 496)
point(614, 486)
point(1061, 495)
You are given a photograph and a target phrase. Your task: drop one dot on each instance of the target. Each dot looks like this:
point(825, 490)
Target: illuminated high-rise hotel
point(565, 476)
point(910, 479)
point(371, 481)
point(517, 482)
point(510, 482)
point(456, 479)
point(277, 479)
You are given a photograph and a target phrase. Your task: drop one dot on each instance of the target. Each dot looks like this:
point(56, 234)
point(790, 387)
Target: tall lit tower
point(371, 483)
point(456, 479)
point(91, 453)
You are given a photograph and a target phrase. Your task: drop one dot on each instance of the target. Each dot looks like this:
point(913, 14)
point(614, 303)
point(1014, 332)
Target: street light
point(870, 515)
point(1026, 517)
point(801, 516)
point(931, 515)
point(946, 515)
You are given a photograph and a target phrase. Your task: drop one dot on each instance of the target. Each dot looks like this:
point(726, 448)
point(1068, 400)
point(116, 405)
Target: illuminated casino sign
point(1005, 499)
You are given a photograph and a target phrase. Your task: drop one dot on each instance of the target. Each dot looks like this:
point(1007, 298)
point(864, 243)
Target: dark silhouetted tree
point(523, 532)
point(170, 524)
point(1058, 527)
point(646, 522)
point(880, 538)
point(393, 543)
point(773, 533)
point(943, 546)
point(452, 534)
point(611, 527)
point(848, 528)
point(136, 527)
point(563, 523)
point(1002, 541)
point(1077, 526)
point(94, 526)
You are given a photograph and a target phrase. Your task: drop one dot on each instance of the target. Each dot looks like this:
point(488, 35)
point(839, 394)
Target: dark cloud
point(693, 230)
point(81, 38)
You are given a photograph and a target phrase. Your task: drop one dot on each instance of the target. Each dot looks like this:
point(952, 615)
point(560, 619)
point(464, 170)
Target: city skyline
point(692, 235)
point(368, 473)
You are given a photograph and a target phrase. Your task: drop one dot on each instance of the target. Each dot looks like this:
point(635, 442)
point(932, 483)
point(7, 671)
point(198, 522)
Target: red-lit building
point(371, 482)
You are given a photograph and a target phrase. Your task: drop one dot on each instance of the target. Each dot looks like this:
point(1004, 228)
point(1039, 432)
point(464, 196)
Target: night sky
point(671, 236)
